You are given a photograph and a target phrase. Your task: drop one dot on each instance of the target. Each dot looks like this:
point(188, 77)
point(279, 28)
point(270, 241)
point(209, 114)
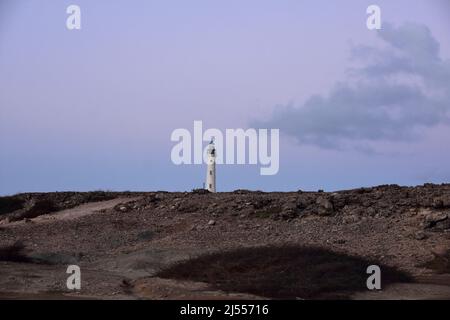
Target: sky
point(94, 109)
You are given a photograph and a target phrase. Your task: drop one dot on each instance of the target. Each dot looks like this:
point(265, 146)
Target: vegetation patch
point(14, 253)
point(440, 263)
point(10, 204)
point(39, 208)
point(282, 272)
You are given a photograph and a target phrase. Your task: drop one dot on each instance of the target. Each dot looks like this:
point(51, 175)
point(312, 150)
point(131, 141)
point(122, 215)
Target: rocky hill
point(126, 239)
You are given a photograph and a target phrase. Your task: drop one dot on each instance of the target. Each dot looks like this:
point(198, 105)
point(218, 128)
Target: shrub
point(440, 263)
point(200, 191)
point(14, 253)
point(284, 272)
point(40, 207)
point(10, 204)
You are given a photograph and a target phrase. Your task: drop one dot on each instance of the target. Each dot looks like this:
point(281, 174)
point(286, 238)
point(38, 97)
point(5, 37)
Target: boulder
point(439, 220)
point(441, 202)
point(436, 217)
point(349, 219)
point(324, 206)
point(420, 235)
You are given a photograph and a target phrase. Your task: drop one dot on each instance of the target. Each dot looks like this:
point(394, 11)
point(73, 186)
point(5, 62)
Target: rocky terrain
point(123, 242)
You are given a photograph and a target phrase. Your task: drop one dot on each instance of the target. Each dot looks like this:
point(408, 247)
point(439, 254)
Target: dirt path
point(87, 208)
point(80, 211)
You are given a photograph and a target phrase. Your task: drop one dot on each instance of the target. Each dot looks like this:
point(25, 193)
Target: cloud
point(399, 90)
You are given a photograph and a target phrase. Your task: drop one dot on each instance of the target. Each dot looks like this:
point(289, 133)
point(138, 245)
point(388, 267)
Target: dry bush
point(440, 263)
point(39, 208)
point(282, 272)
point(99, 195)
point(10, 203)
point(14, 253)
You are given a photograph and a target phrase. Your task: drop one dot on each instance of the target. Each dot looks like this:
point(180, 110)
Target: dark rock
point(436, 220)
point(349, 219)
point(241, 191)
point(420, 235)
point(261, 203)
point(325, 206)
point(442, 225)
point(145, 235)
point(436, 217)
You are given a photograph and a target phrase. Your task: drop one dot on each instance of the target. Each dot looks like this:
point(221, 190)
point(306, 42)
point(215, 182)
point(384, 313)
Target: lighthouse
point(211, 167)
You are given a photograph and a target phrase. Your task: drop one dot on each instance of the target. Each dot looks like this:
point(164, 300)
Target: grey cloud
point(399, 90)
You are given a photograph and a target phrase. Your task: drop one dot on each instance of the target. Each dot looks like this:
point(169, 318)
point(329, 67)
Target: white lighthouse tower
point(211, 168)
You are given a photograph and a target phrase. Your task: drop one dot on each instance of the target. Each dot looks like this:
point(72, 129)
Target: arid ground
point(235, 245)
